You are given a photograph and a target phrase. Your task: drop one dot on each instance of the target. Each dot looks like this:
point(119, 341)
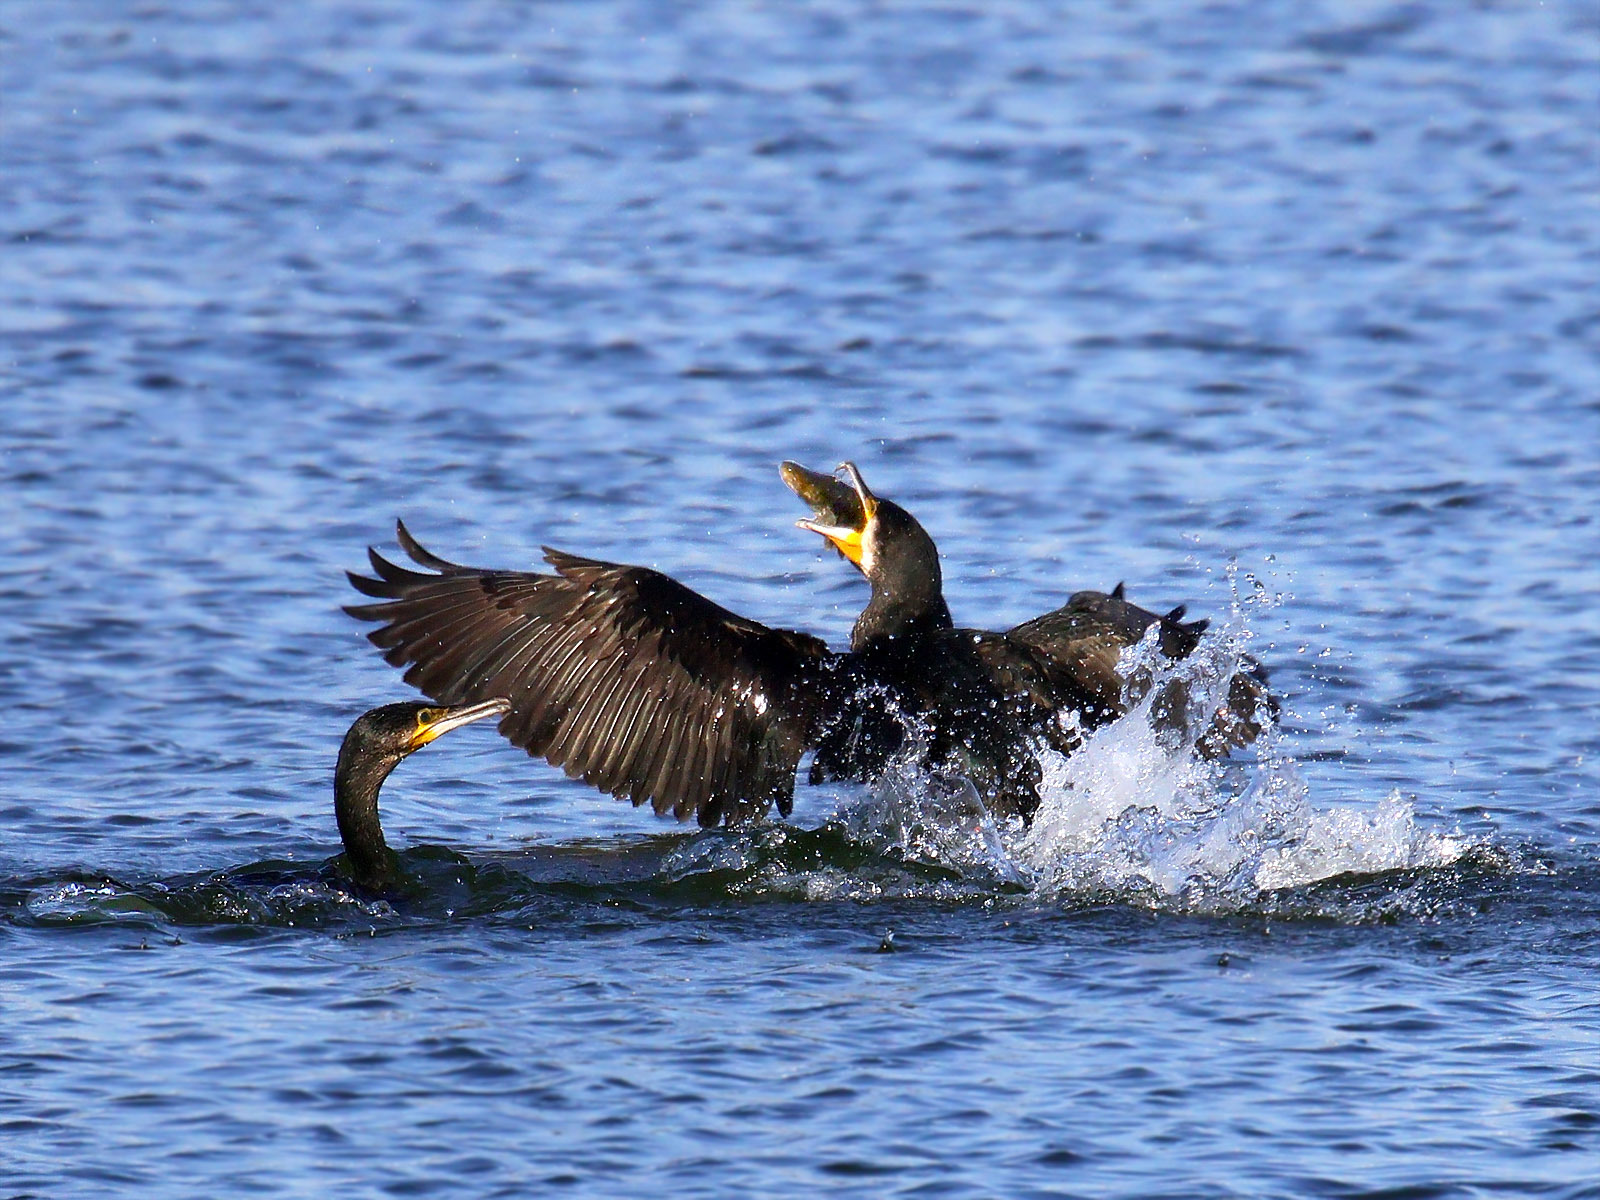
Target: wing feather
point(608, 734)
point(1074, 652)
point(619, 675)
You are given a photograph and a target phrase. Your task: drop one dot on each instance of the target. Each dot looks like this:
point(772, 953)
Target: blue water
point(1283, 311)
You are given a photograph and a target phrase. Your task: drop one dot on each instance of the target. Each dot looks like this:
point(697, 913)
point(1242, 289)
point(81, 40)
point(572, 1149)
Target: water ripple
point(1136, 295)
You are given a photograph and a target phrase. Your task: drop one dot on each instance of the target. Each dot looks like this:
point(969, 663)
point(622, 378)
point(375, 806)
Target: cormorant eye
point(426, 717)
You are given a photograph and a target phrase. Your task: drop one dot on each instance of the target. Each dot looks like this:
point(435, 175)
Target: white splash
point(1136, 815)
point(937, 823)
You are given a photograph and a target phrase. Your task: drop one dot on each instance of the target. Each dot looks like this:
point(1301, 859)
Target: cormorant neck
point(356, 781)
point(893, 614)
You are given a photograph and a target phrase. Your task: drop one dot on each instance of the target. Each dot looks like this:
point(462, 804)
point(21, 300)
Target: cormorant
point(1066, 660)
point(642, 687)
point(373, 747)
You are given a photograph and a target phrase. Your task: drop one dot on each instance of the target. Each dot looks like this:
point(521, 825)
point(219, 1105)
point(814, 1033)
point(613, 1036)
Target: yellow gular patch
point(850, 545)
point(426, 732)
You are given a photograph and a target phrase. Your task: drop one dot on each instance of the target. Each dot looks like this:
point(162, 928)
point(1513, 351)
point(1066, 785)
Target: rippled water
point(1285, 312)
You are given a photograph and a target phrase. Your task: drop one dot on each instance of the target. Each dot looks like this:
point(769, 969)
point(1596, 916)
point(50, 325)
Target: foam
point(1136, 816)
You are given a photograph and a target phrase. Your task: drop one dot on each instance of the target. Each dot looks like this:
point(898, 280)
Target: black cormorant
point(642, 687)
point(1066, 660)
point(374, 745)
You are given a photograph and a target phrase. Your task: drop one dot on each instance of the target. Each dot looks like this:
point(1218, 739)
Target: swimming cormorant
point(1066, 660)
point(372, 747)
point(642, 687)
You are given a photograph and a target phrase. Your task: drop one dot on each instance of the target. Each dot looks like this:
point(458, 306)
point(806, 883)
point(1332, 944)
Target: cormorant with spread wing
point(642, 687)
point(1063, 661)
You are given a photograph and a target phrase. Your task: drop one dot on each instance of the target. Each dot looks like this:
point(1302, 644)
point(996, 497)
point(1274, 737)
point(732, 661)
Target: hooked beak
point(455, 718)
point(843, 512)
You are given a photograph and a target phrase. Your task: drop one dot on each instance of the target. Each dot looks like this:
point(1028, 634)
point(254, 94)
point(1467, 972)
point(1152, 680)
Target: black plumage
point(642, 687)
point(619, 675)
point(1063, 661)
point(373, 746)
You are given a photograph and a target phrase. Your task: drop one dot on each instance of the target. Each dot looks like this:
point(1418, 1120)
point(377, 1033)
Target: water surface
point(1283, 312)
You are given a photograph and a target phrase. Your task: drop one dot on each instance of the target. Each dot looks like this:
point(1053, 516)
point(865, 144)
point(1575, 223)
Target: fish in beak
point(843, 513)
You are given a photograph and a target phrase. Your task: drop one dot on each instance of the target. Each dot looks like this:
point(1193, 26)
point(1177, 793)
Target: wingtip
point(420, 554)
point(367, 587)
point(409, 544)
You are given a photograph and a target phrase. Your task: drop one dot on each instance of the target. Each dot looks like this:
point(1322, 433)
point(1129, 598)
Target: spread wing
point(619, 675)
point(1082, 640)
point(1068, 658)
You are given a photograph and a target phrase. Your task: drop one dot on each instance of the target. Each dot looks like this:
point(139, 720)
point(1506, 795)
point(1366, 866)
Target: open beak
point(832, 500)
point(843, 512)
point(455, 718)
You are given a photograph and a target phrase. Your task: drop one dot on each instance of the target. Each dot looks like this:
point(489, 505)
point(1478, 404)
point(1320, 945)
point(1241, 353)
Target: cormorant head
point(386, 735)
point(883, 540)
